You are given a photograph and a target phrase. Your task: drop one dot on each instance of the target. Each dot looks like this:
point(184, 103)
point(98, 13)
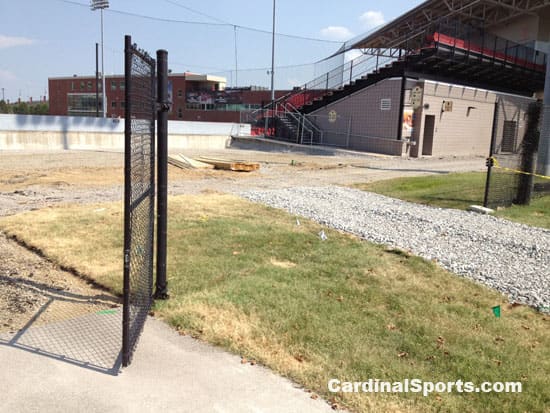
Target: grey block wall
point(362, 123)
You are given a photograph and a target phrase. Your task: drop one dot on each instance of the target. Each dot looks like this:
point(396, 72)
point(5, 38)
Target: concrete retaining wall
point(22, 132)
point(272, 145)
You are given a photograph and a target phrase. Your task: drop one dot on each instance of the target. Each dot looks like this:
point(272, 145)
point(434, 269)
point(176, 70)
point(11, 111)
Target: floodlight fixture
point(100, 5)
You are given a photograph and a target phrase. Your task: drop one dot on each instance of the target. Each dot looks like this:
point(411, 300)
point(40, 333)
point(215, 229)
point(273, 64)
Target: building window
point(180, 93)
point(82, 85)
point(122, 85)
point(385, 104)
point(72, 86)
point(113, 104)
point(123, 104)
point(89, 85)
point(180, 113)
point(82, 104)
point(113, 85)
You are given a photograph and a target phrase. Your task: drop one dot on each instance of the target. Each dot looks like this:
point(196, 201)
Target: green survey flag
point(496, 311)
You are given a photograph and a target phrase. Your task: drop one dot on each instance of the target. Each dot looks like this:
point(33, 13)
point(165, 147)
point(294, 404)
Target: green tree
point(4, 108)
point(21, 108)
point(39, 109)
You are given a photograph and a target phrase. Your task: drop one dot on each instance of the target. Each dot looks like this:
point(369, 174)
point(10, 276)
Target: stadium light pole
point(100, 5)
point(273, 61)
point(272, 73)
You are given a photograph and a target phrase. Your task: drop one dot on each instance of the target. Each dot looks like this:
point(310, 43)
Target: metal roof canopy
point(476, 13)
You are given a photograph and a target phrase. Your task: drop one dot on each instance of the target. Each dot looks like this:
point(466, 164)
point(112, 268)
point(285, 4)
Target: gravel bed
point(509, 257)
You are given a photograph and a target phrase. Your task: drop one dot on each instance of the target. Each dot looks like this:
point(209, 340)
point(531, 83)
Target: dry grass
point(76, 244)
point(247, 278)
point(89, 177)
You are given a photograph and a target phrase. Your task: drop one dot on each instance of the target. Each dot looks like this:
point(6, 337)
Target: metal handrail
point(312, 126)
point(299, 119)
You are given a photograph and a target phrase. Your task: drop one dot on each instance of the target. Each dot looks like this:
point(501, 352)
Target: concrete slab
point(481, 210)
point(273, 145)
point(169, 373)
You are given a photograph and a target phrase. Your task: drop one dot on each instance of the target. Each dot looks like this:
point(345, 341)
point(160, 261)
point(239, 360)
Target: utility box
point(447, 106)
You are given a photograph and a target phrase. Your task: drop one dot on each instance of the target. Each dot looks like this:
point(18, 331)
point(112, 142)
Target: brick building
point(195, 97)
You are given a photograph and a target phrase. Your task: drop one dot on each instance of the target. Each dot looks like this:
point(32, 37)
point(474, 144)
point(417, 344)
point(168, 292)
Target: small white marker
point(323, 235)
point(481, 210)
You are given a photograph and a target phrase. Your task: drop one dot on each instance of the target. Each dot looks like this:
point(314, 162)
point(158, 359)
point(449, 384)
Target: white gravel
point(509, 257)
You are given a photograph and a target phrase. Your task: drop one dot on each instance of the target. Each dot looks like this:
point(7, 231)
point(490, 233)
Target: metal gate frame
point(139, 194)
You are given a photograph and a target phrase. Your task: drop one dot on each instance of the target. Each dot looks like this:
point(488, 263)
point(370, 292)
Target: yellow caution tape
point(496, 165)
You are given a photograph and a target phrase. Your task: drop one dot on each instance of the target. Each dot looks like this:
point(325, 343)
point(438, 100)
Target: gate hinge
point(163, 106)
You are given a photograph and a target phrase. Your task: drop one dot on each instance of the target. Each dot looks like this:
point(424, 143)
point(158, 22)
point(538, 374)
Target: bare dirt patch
point(31, 286)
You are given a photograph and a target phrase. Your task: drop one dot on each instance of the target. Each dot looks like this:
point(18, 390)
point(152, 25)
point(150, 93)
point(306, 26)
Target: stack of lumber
point(239, 166)
point(182, 161)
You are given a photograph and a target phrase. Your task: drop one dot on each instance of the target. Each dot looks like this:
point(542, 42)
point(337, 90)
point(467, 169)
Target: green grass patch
point(247, 278)
point(459, 191)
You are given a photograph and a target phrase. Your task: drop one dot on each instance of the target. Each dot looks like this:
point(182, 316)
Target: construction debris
point(182, 161)
point(240, 166)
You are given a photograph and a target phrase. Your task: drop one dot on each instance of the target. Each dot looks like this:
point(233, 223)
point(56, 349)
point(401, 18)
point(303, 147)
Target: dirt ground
point(30, 285)
point(36, 180)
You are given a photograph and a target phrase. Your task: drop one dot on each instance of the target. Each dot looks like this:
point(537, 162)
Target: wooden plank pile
point(239, 166)
point(182, 161)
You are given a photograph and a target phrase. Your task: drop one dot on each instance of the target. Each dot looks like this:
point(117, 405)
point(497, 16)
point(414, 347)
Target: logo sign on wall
point(332, 116)
point(416, 97)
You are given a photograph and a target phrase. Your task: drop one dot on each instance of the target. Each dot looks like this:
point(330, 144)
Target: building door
point(509, 136)
point(428, 142)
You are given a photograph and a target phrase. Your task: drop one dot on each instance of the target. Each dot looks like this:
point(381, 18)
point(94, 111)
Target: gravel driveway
point(509, 257)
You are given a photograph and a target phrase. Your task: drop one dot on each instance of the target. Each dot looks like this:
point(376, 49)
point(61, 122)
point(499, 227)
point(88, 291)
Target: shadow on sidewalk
point(83, 330)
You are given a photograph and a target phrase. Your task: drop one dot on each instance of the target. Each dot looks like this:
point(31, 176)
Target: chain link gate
point(139, 194)
point(511, 163)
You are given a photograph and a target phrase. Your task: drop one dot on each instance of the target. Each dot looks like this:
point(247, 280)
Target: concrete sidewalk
point(169, 373)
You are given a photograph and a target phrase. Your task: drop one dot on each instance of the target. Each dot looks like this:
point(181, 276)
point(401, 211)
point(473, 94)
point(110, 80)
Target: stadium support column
point(543, 162)
point(161, 288)
point(97, 81)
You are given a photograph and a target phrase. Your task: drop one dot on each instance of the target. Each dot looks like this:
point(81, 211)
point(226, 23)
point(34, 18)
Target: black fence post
point(490, 158)
point(161, 286)
point(127, 200)
point(401, 107)
point(529, 148)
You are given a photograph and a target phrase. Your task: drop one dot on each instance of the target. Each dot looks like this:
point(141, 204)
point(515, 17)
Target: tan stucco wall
point(466, 130)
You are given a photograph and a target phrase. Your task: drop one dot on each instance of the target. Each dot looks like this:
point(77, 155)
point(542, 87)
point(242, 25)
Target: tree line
point(24, 108)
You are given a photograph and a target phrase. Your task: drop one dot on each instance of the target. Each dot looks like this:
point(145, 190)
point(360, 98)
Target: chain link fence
point(139, 194)
point(511, 177)
point(338, 131)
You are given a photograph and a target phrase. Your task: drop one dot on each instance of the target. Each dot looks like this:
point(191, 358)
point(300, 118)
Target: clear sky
point(48, 38)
